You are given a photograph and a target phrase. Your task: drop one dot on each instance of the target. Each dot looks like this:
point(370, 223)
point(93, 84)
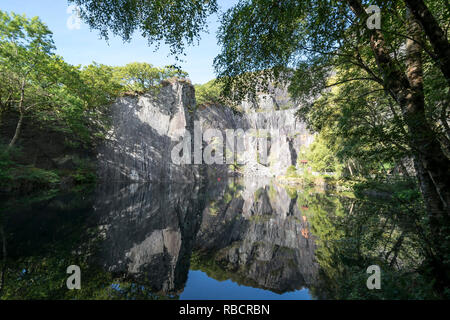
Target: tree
point(26, 47)
point(139, 77)
point(209, 92)
point(314, 37)
point(39, 84)
point(360, 127)
point(352, 234)
point(100, 85)
point(434, 33)
point(321, 158)
point(176, 22)
point(321, 38)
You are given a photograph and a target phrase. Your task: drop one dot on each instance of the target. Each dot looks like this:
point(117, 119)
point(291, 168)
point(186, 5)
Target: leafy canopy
point(176, 22)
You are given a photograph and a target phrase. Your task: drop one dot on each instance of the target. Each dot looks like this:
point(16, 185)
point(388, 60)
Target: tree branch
point(434, 33)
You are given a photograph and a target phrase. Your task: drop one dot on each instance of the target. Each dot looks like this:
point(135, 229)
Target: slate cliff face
point(145, 129)
point(277, 131)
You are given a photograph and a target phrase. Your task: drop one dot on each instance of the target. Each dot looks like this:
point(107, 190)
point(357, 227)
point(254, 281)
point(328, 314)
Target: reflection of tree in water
point(353, 234)
point(140, 242)
point(46, 235)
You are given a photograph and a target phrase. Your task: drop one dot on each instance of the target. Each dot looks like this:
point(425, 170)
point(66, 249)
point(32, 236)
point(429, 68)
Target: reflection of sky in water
point(200, 286)
point(254, 228)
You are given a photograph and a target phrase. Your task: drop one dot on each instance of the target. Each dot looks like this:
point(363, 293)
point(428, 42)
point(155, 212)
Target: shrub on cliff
point(208, 93)
point(143, 77)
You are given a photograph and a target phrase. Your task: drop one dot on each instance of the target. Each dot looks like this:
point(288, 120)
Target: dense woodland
point(377, 98)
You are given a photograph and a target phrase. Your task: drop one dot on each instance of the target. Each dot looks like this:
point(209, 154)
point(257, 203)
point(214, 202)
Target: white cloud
point(74, 21)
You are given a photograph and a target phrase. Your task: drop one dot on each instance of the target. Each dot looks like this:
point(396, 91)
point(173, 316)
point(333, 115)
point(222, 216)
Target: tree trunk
point(350, 168)
point(21, 112)
point(434, 32)
point(407, 90)
point(404, 169)
point(432, 166)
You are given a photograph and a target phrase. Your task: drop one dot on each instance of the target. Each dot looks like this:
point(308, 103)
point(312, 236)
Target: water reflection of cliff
point(252, 232)
point(149, 232)
point(257, 236)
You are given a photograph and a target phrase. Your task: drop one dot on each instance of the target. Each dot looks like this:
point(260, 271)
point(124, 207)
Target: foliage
point(291, 171)
point(321, 158)
point(100, 85)
point(15, 176)
point(85, 172)
point(40, 176)
point(353, 234)
point(5, 163)
point(367, 91)
point(177, 23)
point(143, 77)
point(208, 93)
point(216, 268)
point(374, 100)
point(51, 95)
point(309, 43)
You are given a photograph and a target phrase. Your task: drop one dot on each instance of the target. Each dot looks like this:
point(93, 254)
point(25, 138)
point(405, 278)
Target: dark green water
point(233, 239)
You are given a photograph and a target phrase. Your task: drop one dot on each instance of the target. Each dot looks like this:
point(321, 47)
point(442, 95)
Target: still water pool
point(201, 287)
point(234, 239)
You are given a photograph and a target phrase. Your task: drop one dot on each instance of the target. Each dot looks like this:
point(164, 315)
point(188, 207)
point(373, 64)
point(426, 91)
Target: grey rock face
point(146, 129)
point(275, 98)
point(280, 133)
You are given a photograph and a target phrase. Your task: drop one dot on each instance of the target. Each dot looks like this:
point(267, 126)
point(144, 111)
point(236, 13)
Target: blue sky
point(201, 287)
point(83, 46)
